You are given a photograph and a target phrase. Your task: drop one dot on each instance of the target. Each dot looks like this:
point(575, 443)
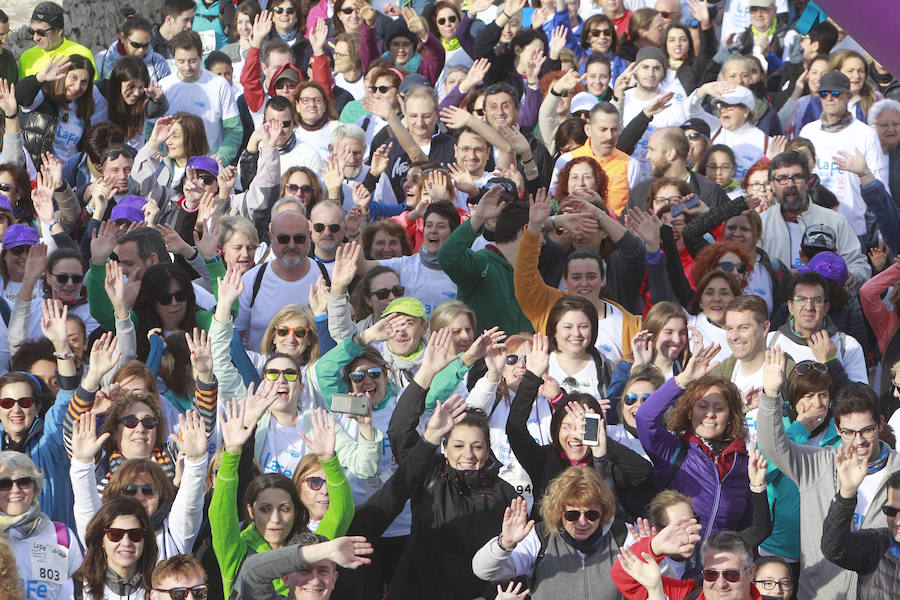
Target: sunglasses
point(284, 124)
point(24, 402)
point(383, 293)
point(808, 366)
point(146, 489)
point(6, 187)
point(632, 398)
point(114, 154)
point(20, 250)
point(290, 375)
point(131, 421)
point(198, 592)
point(479, 112)
point(315, 483)
point(114, 534)
point(665, 14)
point(40, 32)
point(293, 188)
point(23, 483)
point(729, 266)
point(512, 359)
point(285, 83)
point(285, 239)
point(384, 89)
point(573, 515)
point(693, 136)
point(320, 227)
point(730, 575)
point(207, 179)
point(138, 45)
point(444, 21)
point(179, 296)
point(62, 278)
point(371, 373)
point(281, 9)
point(599, 32)
point(833, 93)
point(299, 332)
point(348, 11)
point(889, 511)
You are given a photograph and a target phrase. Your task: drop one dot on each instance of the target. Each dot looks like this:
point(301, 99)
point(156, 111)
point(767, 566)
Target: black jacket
point(39, 125)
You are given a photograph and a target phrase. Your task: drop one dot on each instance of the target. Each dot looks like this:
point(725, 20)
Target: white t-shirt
point(209, 98)
point(796, 231)
point(712, 333)
point(318, 139)
point(583, 382)
point(283, 448)
point(357, 88)
point(673, 116)
point(432, 287)
point(68, 133)
point(302, 155)
point(864, 496)
point(747, 142)
point(609, 334)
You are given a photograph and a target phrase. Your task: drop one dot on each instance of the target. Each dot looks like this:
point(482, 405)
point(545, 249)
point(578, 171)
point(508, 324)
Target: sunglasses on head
point(512, 359)
point(290, 375)
point(320, 227)
point(40, 32)
point(131, 421)
point(808, 366)
point(384, 89)
point(24, 402)
point(285, 239)
point(179, 296)
point(729, 266)
point(23, 483)
point(445, 20)
point(833, 93)
point(574, 515)
point(114, 534)
point(282, 9)
point(198, 592)
point(889, 511)
point(19, 250)
point(206, 178)
point(599, 32)
point(383, 293)
point(315, 483)
point(371, 372)
point(730, 575)
point(146, 489)
point(114, 154)
point(138, 45)
point(293, 188)
point(632, 398)
point(62, 278)
point(299, 332)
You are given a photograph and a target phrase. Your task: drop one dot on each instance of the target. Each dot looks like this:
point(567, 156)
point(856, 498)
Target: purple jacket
point(721, 502)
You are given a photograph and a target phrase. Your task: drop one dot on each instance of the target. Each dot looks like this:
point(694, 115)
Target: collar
point(288, 145)
point(769, 33)
point(880, 462)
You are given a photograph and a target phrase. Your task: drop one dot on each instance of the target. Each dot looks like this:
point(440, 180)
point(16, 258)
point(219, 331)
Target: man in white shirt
point(838, 130)
point(195, 90)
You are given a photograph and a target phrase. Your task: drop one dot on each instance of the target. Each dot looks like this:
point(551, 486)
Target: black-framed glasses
point(115, 534)
point(299, 332)
point(796, 178)
point(62, 278)
point(401, 45)
point(348, 10)
point(115, 153)
point(198, 592)
point(865, 433)
point(24, 402)
point(599, 32)
point(771, 584)
point(632, 398)
point(304, 189)
point(167, 299)
point(513, 359)
point(371, 373)
point(19, 250)
point(383, 293)
point(730, 575)
point(285, 239)
point(444, 20)
point(147, 489)
point(315, 483)
point(825, 93)
point(722, 167)
point(39, 32)
point(131, 421)
point(573, 515)
point(889, 511)
point(23, 483)
point(285, 83)
point(290, 375)
point(727, 265)
point(283, 9)
point(320, 227)
point(384, 89)
point(809, 366)
point(138, 45)
point(206, 178)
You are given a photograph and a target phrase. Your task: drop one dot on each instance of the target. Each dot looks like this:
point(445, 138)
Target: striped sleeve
point(205, 398)
point(82, 401)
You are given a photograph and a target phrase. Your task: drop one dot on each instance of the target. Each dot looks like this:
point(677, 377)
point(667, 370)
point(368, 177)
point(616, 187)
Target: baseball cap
point(739, 95)
point(583, 101)
point(698, 125)
point(829, 265)
point(411, 80)
point(290, 74)
point(204, 163)
point(49, 12)
point(820, 237)
point(510, 190)
point(760, 3)
point(407, 306)
point(834, 81)
point(19, 235)
point(128, 212)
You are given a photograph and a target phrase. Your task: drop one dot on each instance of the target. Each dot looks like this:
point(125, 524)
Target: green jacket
point(484, 281)
point(232, 545)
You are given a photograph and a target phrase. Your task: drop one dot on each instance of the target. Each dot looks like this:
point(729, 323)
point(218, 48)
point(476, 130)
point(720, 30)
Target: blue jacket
point(107, 59)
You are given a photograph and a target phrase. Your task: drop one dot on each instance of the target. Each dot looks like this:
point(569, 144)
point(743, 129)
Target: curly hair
point(576, 486)
point(707, 259)
point(9, 573)
point(600, 178)
point(128, 473)
point(678, 418)
point(122, 401)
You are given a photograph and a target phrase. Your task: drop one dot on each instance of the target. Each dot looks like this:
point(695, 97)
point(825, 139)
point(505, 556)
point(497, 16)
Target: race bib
point(50, 563)
point(208, 40)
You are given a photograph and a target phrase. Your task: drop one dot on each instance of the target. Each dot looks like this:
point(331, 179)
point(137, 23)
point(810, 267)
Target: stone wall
point(93, 23)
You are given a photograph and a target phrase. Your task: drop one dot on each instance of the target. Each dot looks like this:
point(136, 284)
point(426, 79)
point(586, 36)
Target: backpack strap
point(257, 283)
point(675, 464)
point(694, 593)
point(62, 534)
point(619, 532)
point(324, 271)
point(5, 311)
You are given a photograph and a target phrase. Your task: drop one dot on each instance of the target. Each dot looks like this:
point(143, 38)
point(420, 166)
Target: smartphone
point(692, 202)
point(591, 429)
point(349, 404)
point(676, 209)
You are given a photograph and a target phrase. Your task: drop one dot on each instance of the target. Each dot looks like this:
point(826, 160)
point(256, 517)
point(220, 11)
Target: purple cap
point(829, 265)
point(4, 203)
point(132, 200)
point(19, 235)
point(204, 163)
point(128, 212)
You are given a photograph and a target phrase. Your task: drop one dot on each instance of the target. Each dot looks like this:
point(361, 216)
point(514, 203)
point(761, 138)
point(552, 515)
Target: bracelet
point(89, 209)
point(864, 173)
point(15, 114)
point(60, 189)
point(63, 355)
point(211, 260)
point(500, 543)
point(52, 223)
point(506, 15)
point(554, 92)
point(757, 490)
point(530, 160)
point(196, 252)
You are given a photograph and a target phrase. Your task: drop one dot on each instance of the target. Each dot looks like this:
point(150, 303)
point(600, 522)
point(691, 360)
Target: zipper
point(584, 577)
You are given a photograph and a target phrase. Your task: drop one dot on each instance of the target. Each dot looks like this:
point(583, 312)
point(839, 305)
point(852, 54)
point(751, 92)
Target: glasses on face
point(167, 299)
point(206, 178)
point(770, 584)
point(146, 489)
point(443, 21)
point(138, 45)
point(833, 93)
point(198, 592)
point(24, 402)
point(283, 84)
point(320, 227)
point(889, 511)
point(513, 359)
point(131, 421)
point(383, 293)
point(285, 239)
point(293, 188)
point(19, 250)
point(347, 10)
point(796, 178)
point(39, 32)
point(384, 89)
point(62, 278)
point(114, 534)
point(472, 149)
point(693, 136)
point(401, 45)
point(6, 187)
point(666, 199)
point(758, 186)
point(727, 265)
point(632, 398)
point(599, 32)
point(282, 124)
point(816, 300)
point(371, 373)
point(299, 332)
point(290, 375)
point(866, 433)
point(808, 366)
point(307, 100)
point(283, 9)
point(730, 575)
point(573, 515)
point(723, 167)
point(315, 483)
point(23, 483)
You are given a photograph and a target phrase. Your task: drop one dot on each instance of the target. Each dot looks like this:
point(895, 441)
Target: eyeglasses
point(472, 149)
point(39, 32)
point(574, 515)
point(293, 188)
point(383, 293)
point(889, 511)
point(146, 489)
point(833, 93)
point(23, 483)
point(285, 239)
point(666, 199)
point(179, 296)
point(282, 9)
point(864, 433)
point(206, 178)
point(513, 359)
point(796, 178)
point(348, 10)
point(384, 89)
point(599, 32)
point(694, 136)
point(299, 332)
point(290, 375)
point(632, 398)
point(306, 100)
point(727, 265)
point(315, 483)
point(6, 187)
point(371, 373)
point(443, 21)
point(198, 592)
point(808, 366)
point(62, 278)
point(816, 300)
point(131, 421)
point(769, 584)
point(138, 45)
point(722, 167)
point(758, 186)
point(24, 402)
point(19, 250)
point(285, 84)
point(116, 153)
point(399, 45)
point(665, 14)
point(730, 575)
point(320, 227)
point(114, 534)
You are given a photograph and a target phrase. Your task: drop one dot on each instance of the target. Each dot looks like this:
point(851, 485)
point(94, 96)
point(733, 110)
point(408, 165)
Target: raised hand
point(539, 357)
point(258, 400)
point(494, 359)
point(162, 129)
point(535, 62)
point(8, 103)
point(262, 25)
point(436, 356)
point(226, 179)
point(414, 22)
point(51, 169)
point(332, 175)
point(201, 354)
point(379, 163)
point(367, 13)
point(699, 365)
point(491, 338)
point(851, 469)
point(55, 69)
point(646, 226)
point(174, 242)
point(446, 415)
point(476, 75)
point(855, 163)
point(512, 591)
point(318, 297)
point(323, 440)
point(878, 259)
point(151, 212)
point(539, 211)
point(567, 82)
point(35, 263)
point(700, 11)
point(516, 524)
point(383, 330)
point(348, 551)
point(455, 117)
point(230, 287)
point(777, 144)
point(208, 245)
point(436, 184)
point(514, 138)
point(86, 444)
point(644, 570)
point(462, 180)
point(346, 258)
point(642, 347)
point(104, 358)
point(191, 438)
point(104, 242)
point(678, 537)
point(756, 468)
point(362, 197)
point(380, 107)
point(773, 371)
point(234, 432)
point(53, 324)
point(641, 529)
point(489, 207)
point(557, 41)
point(42, 197)
point(318, 36)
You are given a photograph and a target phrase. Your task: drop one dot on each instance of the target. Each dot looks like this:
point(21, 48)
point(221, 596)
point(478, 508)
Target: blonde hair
point(444, 314)
point(9, 573)
point(292, 311)
point(576, 486)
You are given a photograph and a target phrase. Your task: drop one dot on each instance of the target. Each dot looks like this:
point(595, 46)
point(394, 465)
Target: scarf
point(880, 462)
point(450, 45)
point(587, 546)
point(838, 125)
point(429, 260)
point(26, 523)
point(576, 463)
point(314, 126)
point(123, 587)
point(410, 66)
point(287, 37)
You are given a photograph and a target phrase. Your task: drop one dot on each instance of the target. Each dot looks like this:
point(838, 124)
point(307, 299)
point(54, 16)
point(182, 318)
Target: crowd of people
point(587, 299)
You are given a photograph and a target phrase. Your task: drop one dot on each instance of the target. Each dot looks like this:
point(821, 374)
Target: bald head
point(673, 138)
point(672, 8)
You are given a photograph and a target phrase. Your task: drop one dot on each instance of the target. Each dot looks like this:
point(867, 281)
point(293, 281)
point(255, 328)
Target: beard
point(658, 170)
point(291, 259)
point(792, 200)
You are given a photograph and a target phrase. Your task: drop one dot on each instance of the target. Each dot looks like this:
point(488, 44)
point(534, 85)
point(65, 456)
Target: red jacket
point(251, 78)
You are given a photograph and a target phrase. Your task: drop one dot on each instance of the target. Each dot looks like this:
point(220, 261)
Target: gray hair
point(727, 541)
point(421, 91)
point(881, 105)
point(237, 224)
point(276, 208)
point(347, 130)
point(736, 58)
point(19, 465)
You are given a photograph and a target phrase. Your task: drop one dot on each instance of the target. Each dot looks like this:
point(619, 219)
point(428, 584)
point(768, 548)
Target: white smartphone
point(591, 429)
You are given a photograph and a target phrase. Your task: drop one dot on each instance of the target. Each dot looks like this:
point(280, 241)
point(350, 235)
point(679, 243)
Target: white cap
point(583, 101)
point(740, 95)
point(760, 3)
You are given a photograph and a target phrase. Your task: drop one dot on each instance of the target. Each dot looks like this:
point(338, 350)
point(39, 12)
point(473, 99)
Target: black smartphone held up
point(350, 405)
